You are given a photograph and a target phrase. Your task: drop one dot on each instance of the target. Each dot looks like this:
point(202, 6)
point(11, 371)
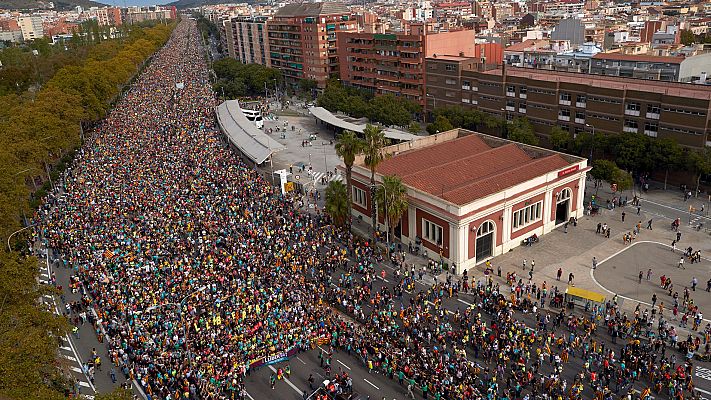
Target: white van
point(254, 116)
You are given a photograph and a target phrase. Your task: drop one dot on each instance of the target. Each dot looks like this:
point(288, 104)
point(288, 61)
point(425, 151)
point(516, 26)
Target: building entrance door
point(484, 241)
point(562, 206)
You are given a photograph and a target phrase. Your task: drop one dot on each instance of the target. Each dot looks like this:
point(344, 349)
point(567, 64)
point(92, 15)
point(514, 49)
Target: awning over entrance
point(326, 116)
point(244, 134)
point(585, 294)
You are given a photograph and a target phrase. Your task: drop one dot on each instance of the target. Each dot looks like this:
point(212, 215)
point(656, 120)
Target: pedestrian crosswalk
point(318, 177)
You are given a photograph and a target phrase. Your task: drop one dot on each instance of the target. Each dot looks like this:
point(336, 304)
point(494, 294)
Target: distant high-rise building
point(394, 62)
point(247, 40)
point(302, 40)
point(31, 27)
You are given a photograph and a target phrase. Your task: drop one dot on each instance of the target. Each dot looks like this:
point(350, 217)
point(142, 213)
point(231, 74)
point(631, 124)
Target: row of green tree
point(30, 65)
point(633, 152)
point(235, 79)
point(387, 109)
point(40, 133)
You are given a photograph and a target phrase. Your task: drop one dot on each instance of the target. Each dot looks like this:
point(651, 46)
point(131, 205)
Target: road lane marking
point(299, 358)
point(339, 361)
point(289, 382)
point(465, 302)
point(82, 383)
point(703, 391)
point(371, 384)
point(75, 369)
point(592, 275)
point(248, 395)
point(70, 358)
point(77, 357)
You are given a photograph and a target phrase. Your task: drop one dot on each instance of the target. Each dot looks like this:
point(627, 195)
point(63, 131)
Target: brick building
point(302, 40)
point(393, 63)
point(473, 196)
point(246, 39)
point(574, 102)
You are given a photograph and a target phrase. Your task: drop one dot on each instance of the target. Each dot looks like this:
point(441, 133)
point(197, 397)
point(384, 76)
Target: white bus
point(254, 116)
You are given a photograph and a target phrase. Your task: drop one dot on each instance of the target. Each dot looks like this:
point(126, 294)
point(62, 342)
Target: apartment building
point(574, 102)
point(662, 68)
point(246, 39)
point(393, 63)
point(302, 40)
point(31, 27)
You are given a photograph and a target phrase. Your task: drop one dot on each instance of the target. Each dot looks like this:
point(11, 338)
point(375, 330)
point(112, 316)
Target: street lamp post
point(16, 232)
point(592, 142)
point(434, 101)
point(385, 210)
point(180, 311)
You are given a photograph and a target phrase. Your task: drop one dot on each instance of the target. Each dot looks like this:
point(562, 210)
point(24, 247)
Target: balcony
point(465, 87)
point(475, 88)
point(650, 115)
point(579, 120)
point(629, 129)
point(475, 102)
point(580, 104)
point(510, 108)
point(564, 102)
point(523, 95)
point(511, 94)
point(563, 118)
point(522, 110)
point(634, 113)
point(650, 133)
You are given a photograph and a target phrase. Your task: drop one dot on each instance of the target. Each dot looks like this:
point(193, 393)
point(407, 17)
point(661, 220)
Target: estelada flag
point(109, 254)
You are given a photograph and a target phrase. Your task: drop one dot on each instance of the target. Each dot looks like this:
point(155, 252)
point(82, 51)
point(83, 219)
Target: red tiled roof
point(637, 57)
point(465, 169)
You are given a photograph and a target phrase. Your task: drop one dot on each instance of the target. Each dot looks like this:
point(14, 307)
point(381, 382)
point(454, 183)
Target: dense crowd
point(196, 267)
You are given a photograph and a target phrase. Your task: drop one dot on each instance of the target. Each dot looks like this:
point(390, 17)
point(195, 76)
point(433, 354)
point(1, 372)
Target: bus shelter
point(583, 298)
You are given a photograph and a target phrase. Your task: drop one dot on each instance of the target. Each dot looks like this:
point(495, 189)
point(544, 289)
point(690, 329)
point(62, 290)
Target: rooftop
point(638, 58)
point(610, 82)
point(471, 166)
point(312, 9)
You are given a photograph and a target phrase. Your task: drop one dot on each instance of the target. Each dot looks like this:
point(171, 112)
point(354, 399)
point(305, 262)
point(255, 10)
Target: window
point(651, 126)
point(510, 88)
point(450, 81)
point(450, 67)
point(527, 215)
point(510, 103)
point(522, 106)
point(580, 115)
point(522, 90)
point(653, 109)
point(485, 228)
point(630, 123)
point(565, 96)
point(633, 106)
point(431, 232)
point(449, 94)
point(359, 197)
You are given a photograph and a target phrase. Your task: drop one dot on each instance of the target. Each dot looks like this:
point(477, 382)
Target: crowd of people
point(197, 268)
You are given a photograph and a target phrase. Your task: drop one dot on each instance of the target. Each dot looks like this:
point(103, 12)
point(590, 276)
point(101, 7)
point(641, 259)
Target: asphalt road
point(378, 387)
point(620, 274)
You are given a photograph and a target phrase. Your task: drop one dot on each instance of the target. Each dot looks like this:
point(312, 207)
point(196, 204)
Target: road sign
point(289, 187)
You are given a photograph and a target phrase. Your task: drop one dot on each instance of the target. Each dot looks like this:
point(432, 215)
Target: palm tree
point(392, 200)
point(348, 146)
point(372, 149)
point(374, 143)
point(337, 202)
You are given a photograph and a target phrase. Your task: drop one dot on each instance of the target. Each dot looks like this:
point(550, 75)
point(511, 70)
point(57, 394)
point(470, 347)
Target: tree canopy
point(243, 80)
point(386, 109)
point(40, 116)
